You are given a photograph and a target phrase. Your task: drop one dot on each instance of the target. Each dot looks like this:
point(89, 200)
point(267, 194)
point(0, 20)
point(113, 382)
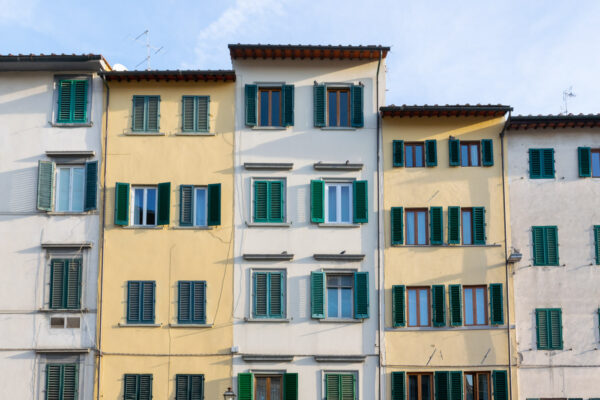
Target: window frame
point(350, 274)
point(253, 180)
point(541, 151)
point(144, 205)
point(338, 89)
point(268, 376)
point(592, 152)
point(428, 306)
point(146, 114)
point(195, 113)
point(138, 378)
point(67, 260)
point(419, 376)
point(270, 90)
point(194, 190)
point(57, 197)
point(475, 306)
point(62, 365)
point(469, 144)
point(415, 238)
point(475, 375)
point(141, 320)
point(268, 271)
point(338, 207)
point(414, 146)
point(464, 210)
point(56, 100)
point(192, 310)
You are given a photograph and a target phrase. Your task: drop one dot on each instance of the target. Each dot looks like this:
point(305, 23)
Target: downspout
point(506, 258)
point(379, 269)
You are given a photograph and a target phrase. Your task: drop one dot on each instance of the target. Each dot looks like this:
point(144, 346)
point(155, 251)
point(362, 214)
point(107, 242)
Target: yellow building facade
point(447, 327)
point(165, 308)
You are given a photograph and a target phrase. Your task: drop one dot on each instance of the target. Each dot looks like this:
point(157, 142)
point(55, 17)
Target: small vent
point(73, 322)
point(57, 322)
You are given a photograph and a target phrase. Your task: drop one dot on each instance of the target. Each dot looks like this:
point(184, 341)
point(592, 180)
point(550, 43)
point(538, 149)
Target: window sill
point(58, 213)
point(268, 225)
point(122, 325)
point(192, 228)
point(269, 128)
point(64, 310)
point(195, 134)
point(448, 328)
point(144, 134)
point(338, 128)
point(268, 320)
point(446, 246)
point(341, 320)
point(71, 125)
point(194, 326)
point(142, 227)
point(333, 225)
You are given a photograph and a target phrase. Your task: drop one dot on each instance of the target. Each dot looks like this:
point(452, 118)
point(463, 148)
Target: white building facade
point(50, 151)
point(554, 183)
point(306, 221)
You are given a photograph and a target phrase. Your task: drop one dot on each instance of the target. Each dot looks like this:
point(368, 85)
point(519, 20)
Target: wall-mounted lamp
point(515, 257)
point(229, 395)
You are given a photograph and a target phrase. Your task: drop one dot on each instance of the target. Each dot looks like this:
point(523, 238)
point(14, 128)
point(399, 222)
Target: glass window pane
point(422, 239)
point(483, 387)
point(596, 164)
point(423, 307)
point(346, 303)
point(347, 280)
point(151, 207)
point(419, 156)
point(333, 280)
point(276, 108)
point(425, 387)
point(138, 206)
point(332, 107)
point(466, 227)
point(344, 109)
point(474, 154)
point(469, 387)
point(412, 307)
point(410, 227)
point(413, 387)
point(332, 302)
point(464, 155)
point(480, 295)
point(275, 389)
point(409, 155)
point(332, 203)
point(469, 307)
point(200, 207)
point(261, 388)
point(78, 188)
point(264, 108)
point(345, 203)
point(64, 183)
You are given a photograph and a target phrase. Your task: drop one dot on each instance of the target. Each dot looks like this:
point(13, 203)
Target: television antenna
point(566, 94)
point(150, 50)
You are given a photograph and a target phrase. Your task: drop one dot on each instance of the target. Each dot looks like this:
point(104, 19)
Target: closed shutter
point(45, 189)
point(431, 153)
point(70, 382)
point(356, 111)
point(541, 322)
point(320, 105)
point(192, 302)
point(455, 295)
point(454, 152)
point(147, 303)
point(317, 200)
point(398, 305)
point(181, 387)
point(130, 389)
point(290, 386)
point(597, 243)
point(539, 249)
point(478, 225)
point(133, 301)
point(398, 153)
point(275, 295)
point(91, 185)
point(72, 297)
point(397, 225)
point(65, 98)
point(548, 163)
point(251, 105)
point(57, 287)
point(138, 113)
point(487, 152)
point(332, 387)
point(500, 382)
point(140, 301)
point(398, 385)
point(260, 294)
point(53, 381)
point(152, 114)
point(555, 323)
point(184, 302)
point(535, 163)
point(361, 295)
point(456, 385)
point(145, 387)
point(185, 205)
point(585, 161)
point(552, 245)
point(436, 225)
point(214, 204)
point(199, 302)
point(442, 384)
point(188, 118)
point(276, 206)
point(454, 225)
point(196, 387)
point(317, 294)
point(203, 113)
point(164, 203)
point(79, 104)
point(496, 304)
point(245, 386)
point(288, 105)
point(260, 201)
point(122, 203)
point(438, 304)
point(72, 101)
point(361, 202)
point(347, 387)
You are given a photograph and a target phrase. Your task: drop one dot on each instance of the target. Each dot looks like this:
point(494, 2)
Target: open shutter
point(317, 294)
point(398, 153)
point(552, 245)
point(45, 187)
point(398, 305)
point(79, 105)
point(397, 225)
point(185, 205)
point(361, 295)
point(251, 105)
point(438, 304)
point(454, 152)
point(585, 161)
point(442, 385)
point(203, 114)
point(57, 287)
point(145, 387)
point(431, 153)
point(496, 304)
point(70, 382)
point(152, 116)
point(398, 385)
point(555, 323)
point(214, 204)
point(184, 302)
point(275, 295)
point(188, 119)
point(361, 201)
point(91, 186)
point(436, 225)
point(133, 301)
point(65, 97)
point(541, 322)
point(275, 201)
point(288, 105)
point(148, 294)
point(73, 284)
point(245, 386)
point(548, 163)
point(260, 294)
point(164, 203)
point(500, 382)
point(597, 243)
point(199, 302)
point(320, 105)
point(487, 152)
point(356, 111)
point(290, 386)
point(317, 200)
point(261, 189)
point(122, 203)
point(535, 163)
point(453, 225)
point(478, 225)
point(456, 385)
point(455, 295)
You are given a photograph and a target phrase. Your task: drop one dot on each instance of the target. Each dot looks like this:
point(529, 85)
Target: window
point(137, 387)
point(475, 310)
point(70, 185)
point(72, 101)
point(418, 306)
point(339, 202)
point(541, 163)
point(268, 294)
point(414, 154)
point(545, 245)
point(338, 106)
point(151, 204)
point(269, 387)
point(549, 328)
point(420, 387)
point(269, 201)
point(145, 113)
point(195, 113)
point(189, 387)
point(65, 284)
point(596, 163)
point(416, 226)
point(76, 187)
point(192, 302)
point(140, 302)
point(340, 386)
point(338, 197)
point(340, 295)
point(469, 154)
point(269, 105)
point(62, 382)
point(200, 205)
point(472, 224)
point(145, 202)
point(477, 386)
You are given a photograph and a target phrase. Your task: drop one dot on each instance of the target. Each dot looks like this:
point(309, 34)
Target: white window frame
point(57, 197)
point(339, 273)
point(339, 185)
point(195, 189)
point(144, 205)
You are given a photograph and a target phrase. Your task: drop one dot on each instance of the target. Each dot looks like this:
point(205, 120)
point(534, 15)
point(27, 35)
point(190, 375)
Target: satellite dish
point(119, 67)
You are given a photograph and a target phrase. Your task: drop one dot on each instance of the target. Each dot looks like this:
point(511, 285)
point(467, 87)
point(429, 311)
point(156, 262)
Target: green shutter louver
point(203, 113)
point(261, 201)
point(65, 284)
point(145, 114)
point(361, 295)
point(189, 387)
point(137, 117)
point(290, 386)
point(317, 294)
point(500, 383)
point(164, 203)
point(549, 328)
point(431, 153)
point(72, 101)
point(487, 152)
point(140, 302)
point(288, 105)
point(478, 225)
point(438, 305)
point(541, 163)
point(361, 201)
point(453, 225)
point(398, 385)
point(454, 152)
point(496, 304)
point(245, 386)
point(130, 389)
point(57, 286)
point(347, 387)
point(275, 201)
point(72, 298)
point(79, 105)
point(45, 188)
point(185, 205)
point(585, 161)
point(152, 113)
point(548, 163)
point(456, 385)
point(545, 245)
point(268, 300)
point(320, 105)
point(91, 186)
point(552, 245)
point(62, 381)
point(317, 201)
point(442, 385)
point(122, 203)
point(398, 305)
point(195, 113)
point(535, 163)
point(53, 381)
point(356, 110)
point(251, 92)
point(269, 203)
point(597, 243)
point(541, 319)
point(214, 204)
point(455, 297)
point(398, 153)
point(191, 302)
point(397, 225)
point(260, 294)
point(144, 387)
point(65, 97)
point(436, 225)
point(188, 115)
point(332, 387)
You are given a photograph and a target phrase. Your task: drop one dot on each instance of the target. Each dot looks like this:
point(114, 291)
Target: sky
point(522, 53)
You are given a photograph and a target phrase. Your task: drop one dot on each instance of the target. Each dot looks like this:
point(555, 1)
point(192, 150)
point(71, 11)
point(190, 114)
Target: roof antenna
point(566, 94)
point(149, 49)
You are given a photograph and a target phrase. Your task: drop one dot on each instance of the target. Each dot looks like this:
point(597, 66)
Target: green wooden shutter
point(332, 387)
point(152, 114)
point(454, 225)
point(260, 282)
point(496, 304)
point(597, 243)
point(487, 152)
point(347, 387)
point(147, 303)
point(361, 295)
point(539, 250)
point(196, 387)
point(275, 295)
point(455, 295)
point(356, 110)
point(245, 386)
point(185, 205)
point(500, 383)
point(72, 296)
point(133, 301)
point(276, 199)
point(79, 105)
point(478, 225)
point(431, 153)
point(317, 200)
point(290, 386)
point(548, 163)
point(57, 287)
point(436, 225)
point(320, 105)
point(288, 105)
point(545, 245)
point(398, 305)
point(361, 201)
point(130, 389)
point(70, 382)
point(202, 113)
point(442, 385)
point(585, 161)
point(552, 244)
point(184, 303)
point(164, 203)
point(145, 387)
point(181, 387)
point(397, 225)
point(454, 152)
point(45, 189)
point(555, 324)
point(317, 294)
point(251, 105)
point(398, 385)
point(122, 203)
point(456, 385)
point(199, 302)
point(138, 114)
point(188, 119)
point(438, 305)
point(214, 204)
point(91, 186)
point(261, 189)
point(65, 97)
point(541, 322)
point(398, 153)
point(535, 163)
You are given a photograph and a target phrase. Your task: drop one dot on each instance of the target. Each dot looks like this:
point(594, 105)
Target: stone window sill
point(122, 325)
point(195, 326)
point(333, 225)
point(144, 134)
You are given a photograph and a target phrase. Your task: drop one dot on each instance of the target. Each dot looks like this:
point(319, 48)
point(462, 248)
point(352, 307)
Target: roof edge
point(455, 110)
point(525, 122)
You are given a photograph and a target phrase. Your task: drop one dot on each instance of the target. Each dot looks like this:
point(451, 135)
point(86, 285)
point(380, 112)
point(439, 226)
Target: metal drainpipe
point(380, 281)
point(506, 258)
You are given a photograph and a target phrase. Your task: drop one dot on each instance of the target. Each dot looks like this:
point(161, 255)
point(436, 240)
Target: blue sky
point(523, 53)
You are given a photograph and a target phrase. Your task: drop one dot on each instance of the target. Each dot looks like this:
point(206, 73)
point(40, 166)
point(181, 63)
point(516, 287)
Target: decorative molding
point(269, 166)
point(339, 257)
point(321, 166)
point(63, 351)
point(267, 357)
point(269, 257)
point(341, 358)
point(67, 246)
point(71, 153)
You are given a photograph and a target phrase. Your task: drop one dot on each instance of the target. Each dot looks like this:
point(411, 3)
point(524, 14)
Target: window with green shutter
point(340, 387)
point(268, 294)
point(545, 245)
point(541, 163)
point(431, 153)
point(45, 188)
point(140, 302)
point(549, 328)
point(496, 304)
point(191, 302)
point(361, 201)
point(361, 295)
point(122, 203)
point(290, 386)
point(487, 152)
point(584, 156)
point(269, 201)
point(62, 381)
point(339, 296)
point(65, 284)
point(500, 381)
point(454, 225)
point(398, 153)
point(398, 385)
point(454, 152)
point(200, 205)
point(72, 101)
point(454, 293)
point(456, 385)
point(317, 201)
point(399, 305)
point(397, 225)
point(189, 387)
point(442, 385)
point(137, 387)
point(436, 226)
point(146, 114)
point(438, 305)
point(195, 113)
point(478, 225)
point(597, 243)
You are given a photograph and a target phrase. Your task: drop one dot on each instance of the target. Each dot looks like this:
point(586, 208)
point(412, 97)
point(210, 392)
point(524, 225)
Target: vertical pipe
point(379, 269)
